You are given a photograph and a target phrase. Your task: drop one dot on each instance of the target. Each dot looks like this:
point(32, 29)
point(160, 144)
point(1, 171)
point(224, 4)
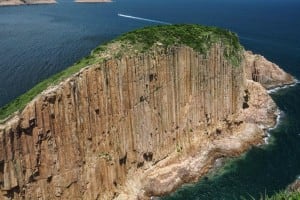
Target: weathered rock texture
point(25, 2)
point(265, 72)
point(295, 186)
point(132, 127)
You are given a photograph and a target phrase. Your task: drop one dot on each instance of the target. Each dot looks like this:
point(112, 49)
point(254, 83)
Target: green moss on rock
point(198, 37)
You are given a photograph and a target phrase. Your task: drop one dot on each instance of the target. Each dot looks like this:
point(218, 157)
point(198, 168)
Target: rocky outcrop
point(270, 75)
point(133, 127)
point(25, 2)
point(295, 186)
point(84, 137)
point(258, 106)
point(93, 1)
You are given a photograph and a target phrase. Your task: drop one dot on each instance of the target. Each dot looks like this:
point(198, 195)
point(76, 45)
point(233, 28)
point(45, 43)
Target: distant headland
point(33, 2)
point(24, 2)
point(93, 1)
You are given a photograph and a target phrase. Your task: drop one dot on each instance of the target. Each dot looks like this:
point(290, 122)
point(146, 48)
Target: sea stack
point(147, 112)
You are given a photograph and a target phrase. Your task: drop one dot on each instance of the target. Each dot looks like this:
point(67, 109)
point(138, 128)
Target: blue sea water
point(41, 40)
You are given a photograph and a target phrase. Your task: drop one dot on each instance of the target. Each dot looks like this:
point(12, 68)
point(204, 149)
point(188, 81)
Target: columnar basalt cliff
point(133, 126)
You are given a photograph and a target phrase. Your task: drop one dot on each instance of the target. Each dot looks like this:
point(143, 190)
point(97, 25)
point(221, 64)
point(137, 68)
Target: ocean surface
point(41, 40)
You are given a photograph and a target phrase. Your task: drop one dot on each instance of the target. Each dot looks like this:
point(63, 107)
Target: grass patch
point(200, 38)
point(284, 195)
point(20, 102)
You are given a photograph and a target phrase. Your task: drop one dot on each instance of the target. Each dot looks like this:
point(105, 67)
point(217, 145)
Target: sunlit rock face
point(105, 132)
point(268, 74)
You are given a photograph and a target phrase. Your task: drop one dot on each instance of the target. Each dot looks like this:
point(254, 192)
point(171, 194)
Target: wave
point(281, 113)
point(143, 19)
point(278, 122)
point(283, 87)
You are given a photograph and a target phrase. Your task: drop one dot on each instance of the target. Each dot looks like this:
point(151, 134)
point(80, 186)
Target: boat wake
point(143, 19)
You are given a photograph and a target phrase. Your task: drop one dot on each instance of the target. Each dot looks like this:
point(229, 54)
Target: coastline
point(189, 166)
point(238, 134)
point(223, 148)
point(20, 3)
point(281, 87)
point(38, 2)
point(175, 171)
point(295, 186)
point(185, 149)
point(93, 1)
point(278, 121)
point(281, 114)
point(219, 156)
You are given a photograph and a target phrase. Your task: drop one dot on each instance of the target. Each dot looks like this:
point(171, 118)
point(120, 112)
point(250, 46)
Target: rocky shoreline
point(295, 186)
point(139, 125)
point(191, 165)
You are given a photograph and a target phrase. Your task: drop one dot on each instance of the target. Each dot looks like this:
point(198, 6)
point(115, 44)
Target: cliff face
point(132, 127)
point(265, 72)
point(83, 137)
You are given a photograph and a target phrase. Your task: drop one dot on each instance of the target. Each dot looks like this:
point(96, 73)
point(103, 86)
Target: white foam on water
point(283, 87)
point(281, 113)
point(267, 138)
point(143, 19)
point(278, 121)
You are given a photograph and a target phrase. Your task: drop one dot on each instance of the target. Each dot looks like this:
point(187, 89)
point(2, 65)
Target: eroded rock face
point(258, 107)
point(270, 75)
point(132, 127)
point(295, 186)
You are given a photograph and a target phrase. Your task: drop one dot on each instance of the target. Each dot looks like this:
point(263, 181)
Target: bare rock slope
point(137, 124)
point(265, 72)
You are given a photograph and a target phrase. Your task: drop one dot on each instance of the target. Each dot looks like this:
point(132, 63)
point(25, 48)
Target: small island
point(33, 2)
point(140, 116)
point(25, 2)
point(93, 1)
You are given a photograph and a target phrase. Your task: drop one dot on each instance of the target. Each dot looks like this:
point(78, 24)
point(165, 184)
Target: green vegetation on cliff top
point(200, 38)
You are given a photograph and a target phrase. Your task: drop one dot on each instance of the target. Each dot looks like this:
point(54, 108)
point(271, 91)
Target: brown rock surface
point(270, 75)
point(132, 127)
point(294, 187)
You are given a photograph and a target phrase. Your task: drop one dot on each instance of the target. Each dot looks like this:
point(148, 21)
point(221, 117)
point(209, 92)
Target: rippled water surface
point(38, 41)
